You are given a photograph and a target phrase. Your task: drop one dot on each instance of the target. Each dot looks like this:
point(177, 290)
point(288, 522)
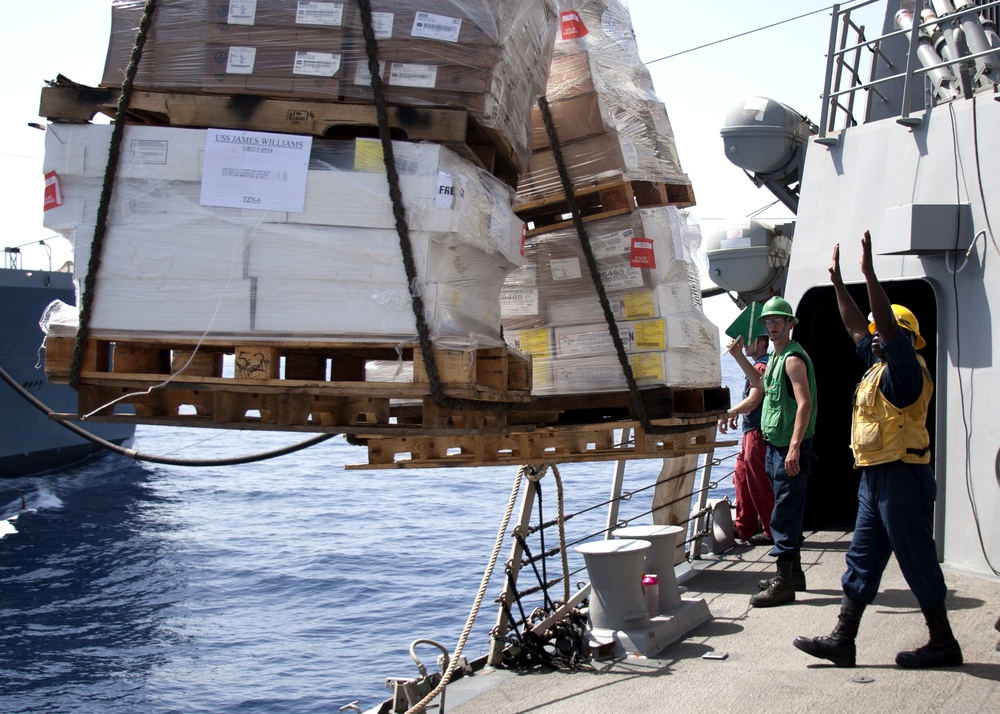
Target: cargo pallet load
point(251, 272)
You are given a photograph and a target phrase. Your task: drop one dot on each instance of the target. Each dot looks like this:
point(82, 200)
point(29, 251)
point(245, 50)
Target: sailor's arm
point(798, 375)
point(854, 320)
point(885, 320)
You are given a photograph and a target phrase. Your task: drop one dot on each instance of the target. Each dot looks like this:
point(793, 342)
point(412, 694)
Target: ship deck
point(763, 671)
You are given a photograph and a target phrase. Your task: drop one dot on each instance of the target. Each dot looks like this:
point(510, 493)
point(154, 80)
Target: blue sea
point(290, 585)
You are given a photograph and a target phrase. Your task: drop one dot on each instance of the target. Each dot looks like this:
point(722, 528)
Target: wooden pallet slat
point(604, 199)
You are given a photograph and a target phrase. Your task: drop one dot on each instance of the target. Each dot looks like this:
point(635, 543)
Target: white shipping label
point(565, 269)
point(423, 76)
point(148, 151)
point(518, 302)
point(382, 24)
point(316, 64)
point(248, 169)
point(612, 245)
point(445, 197)
point(330, 14)
point(621, 276)
point(242, 12)
point(436, 27)
point(241, 60)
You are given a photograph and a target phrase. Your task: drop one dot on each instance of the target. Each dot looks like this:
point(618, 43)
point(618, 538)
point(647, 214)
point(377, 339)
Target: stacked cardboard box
point(175, 262)
point(489, 57)
point(551, 309)
point(608, 118)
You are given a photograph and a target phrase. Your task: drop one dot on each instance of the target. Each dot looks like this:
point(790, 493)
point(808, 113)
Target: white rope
point(421, 706)
point(562, 534)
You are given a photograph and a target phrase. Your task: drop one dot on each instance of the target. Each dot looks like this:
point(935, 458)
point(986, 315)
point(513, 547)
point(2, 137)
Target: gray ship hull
point(29, 441)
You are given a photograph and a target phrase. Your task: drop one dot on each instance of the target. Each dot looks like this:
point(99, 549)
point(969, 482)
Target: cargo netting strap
point(581, 231)
point(403, 230)
point(100, 230)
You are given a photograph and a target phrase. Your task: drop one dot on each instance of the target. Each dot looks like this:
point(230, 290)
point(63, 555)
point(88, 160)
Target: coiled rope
point(421, 706)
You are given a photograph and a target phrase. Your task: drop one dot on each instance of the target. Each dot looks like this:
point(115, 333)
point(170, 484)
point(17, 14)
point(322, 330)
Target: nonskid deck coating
point(763, 671)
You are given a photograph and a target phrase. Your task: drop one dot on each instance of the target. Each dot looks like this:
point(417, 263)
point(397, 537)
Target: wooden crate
point(455, 128)
point(608, 198)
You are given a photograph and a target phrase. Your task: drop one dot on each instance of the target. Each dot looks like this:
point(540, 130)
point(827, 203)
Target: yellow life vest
point(882, 432)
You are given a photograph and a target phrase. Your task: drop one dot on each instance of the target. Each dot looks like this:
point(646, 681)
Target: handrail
point(840, 71)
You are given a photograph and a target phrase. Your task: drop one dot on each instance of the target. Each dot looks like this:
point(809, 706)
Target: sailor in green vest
point(891, 443)
point(788, 421)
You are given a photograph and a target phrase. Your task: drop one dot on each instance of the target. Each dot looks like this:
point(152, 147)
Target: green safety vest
point(778, 416)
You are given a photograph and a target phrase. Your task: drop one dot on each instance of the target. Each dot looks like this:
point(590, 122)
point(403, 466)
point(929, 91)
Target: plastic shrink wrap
point(551, 310)
point(609, 121)
point(489, 57)
point(331, 272)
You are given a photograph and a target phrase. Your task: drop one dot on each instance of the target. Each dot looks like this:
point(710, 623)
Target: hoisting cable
point(581, 231)
point(101, 228)
point(166, 460)
point(402, 228)
point(421, 706)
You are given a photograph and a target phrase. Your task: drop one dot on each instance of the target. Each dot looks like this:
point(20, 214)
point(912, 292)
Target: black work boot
point(781, 589)
point(838, 647)
point(798, 576)
point(941, 651)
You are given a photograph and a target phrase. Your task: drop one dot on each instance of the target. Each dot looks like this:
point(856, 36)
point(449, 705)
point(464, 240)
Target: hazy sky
point(42, 39)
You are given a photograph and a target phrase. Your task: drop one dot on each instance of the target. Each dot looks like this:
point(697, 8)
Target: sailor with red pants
point(890, 442)
point(754, 494)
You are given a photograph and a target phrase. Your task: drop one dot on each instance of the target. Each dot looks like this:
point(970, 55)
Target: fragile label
point(241, 60)
point(330, 14)
point(53, 194)
point(571, 25)
point(436, 27)
point(242, 12)
point(642, 255)
point(423, 76)
point(565, 269)
point(316, 64)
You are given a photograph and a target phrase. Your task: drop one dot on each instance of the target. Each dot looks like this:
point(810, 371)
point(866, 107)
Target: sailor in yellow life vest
point(896, 496)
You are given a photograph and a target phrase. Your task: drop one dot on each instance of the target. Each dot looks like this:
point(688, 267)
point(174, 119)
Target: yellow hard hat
point(907, 320)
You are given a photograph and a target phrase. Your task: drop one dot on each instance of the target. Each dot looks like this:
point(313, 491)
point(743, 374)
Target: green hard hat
point(778, 306)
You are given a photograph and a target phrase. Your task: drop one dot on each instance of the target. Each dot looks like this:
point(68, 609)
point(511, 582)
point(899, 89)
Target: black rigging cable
point(167, 460)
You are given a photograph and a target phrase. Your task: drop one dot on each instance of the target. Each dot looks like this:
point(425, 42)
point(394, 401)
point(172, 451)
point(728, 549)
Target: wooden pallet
point(71, 102)
point(547, 445)
point(307, 386)
point(602, 200)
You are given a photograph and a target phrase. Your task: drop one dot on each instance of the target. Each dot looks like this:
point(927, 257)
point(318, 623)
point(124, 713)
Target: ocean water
point(290, 585)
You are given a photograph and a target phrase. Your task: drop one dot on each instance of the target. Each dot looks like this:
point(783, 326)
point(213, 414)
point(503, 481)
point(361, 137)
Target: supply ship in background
point(29, 441)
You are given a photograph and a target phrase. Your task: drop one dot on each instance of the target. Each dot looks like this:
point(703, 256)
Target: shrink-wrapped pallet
point(608, 119)
point(489, 57)
point(551, 309)
point(330, 271)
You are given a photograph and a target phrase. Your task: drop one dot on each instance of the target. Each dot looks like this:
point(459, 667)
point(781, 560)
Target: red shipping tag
point(524, 237)
point(572, 25)
point(642, 253)
point(53, 196)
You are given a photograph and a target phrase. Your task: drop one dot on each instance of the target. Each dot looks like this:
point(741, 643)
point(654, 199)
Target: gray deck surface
point(764, 672)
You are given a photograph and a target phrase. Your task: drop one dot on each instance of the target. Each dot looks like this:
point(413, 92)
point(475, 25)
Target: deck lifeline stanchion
point(617, 482)
point(706, 479)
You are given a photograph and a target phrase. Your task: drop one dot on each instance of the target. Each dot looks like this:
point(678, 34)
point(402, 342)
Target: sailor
point(754, 495)
point(890, 442)
point(788, 421)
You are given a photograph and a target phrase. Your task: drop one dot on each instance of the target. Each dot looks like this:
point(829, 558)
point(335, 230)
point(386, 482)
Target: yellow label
point(536, 342)
point(648, 367)
point(638, 306)
point(368, 155)
point(650, 335)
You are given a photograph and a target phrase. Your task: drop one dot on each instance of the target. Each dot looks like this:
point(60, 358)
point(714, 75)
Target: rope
point(101, 229)
point(633, 387)
point(562, 532)
point(421, 706)
point(403, 230)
